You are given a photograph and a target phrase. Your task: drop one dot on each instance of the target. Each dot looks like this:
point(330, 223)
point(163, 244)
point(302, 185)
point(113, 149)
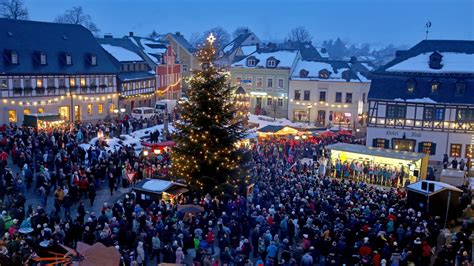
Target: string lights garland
point(58, 99)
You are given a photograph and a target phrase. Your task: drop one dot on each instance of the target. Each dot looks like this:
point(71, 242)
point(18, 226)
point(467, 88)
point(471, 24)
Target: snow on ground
point(416, 100)
point(452, 62)
point(264, 121)
point(121, 54)
point(144, 133)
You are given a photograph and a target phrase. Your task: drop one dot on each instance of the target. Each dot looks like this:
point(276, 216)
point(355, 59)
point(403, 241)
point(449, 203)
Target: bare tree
point(240, 30)
point(154, 35)
point(13, 9)
point(222, 36)
point(299, 34)
point(76, 15)
point(195, 39)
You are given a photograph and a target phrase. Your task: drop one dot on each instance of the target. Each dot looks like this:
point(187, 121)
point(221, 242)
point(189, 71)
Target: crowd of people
point(296, 214)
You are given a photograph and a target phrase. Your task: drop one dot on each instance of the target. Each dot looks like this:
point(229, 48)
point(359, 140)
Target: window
point(14, 58)
point(39, 83)
point(348, 97)
point(269, 101)
point(363, 97)
point(280, 83)
point(435, 60)
point(297, 95)
point(27, 83)
point(61, 82)
point(94, 60)
point(304, 73)
point(72, 82)
point(251, 62)
point(280, 102)
point(306, 95)
point(248, 81)
point(465, 115)
point(395, 111)
point(43, 59)
point(110, 81)
point(322, 96)
point(411, 86)
point(89, 109)
point(403, 144)
point(184, 68)
point(269, 82)
point(455, 150)
point(40, 110)
point(271, 63)
point(83, 82)
point(26, 111)
point(102, 80)
point(100, 108)
point(324, 74)
point(3, 83)
point(469, 151)
point(68, 59)
point(16, 83)
point(460, 88)
point(338, 97)
point(112, 108)
point(50, 82)
point(427, 147)
point(434, 87)
point(259, 82)
point(12, 116)
point(432, 113)
point(380, 143)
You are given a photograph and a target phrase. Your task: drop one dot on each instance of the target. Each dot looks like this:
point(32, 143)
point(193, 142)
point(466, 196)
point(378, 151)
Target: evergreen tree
point(205, 153)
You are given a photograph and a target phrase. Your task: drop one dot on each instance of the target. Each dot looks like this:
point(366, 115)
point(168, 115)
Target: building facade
point(169, 76)
point(423, 100)
point(265, 78)
point(328, 94)
point(62, 70)
point(237, 49)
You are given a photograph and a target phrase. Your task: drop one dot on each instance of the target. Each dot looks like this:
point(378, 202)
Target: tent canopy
point(387, 153)
point(159, 186)
point(438, 186)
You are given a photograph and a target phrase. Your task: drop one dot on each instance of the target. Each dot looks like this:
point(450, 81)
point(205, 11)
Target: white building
point(423, 100)
point(329, 93)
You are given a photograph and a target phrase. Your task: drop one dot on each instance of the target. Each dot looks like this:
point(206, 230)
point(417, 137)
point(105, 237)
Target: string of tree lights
point(205, 153)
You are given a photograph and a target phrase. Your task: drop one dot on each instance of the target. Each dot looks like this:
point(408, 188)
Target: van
point(165, 106)
point(143, 112)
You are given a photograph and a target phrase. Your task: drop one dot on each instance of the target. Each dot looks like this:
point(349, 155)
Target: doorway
point(77, 113)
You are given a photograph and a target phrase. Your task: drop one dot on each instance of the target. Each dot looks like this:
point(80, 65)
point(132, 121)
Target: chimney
point(353, 59)
point(258, 46)
point(130, 33)
point(178, 33)
point(108, 36)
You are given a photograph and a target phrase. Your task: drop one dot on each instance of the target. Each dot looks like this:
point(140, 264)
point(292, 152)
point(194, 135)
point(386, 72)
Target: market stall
point(149, 190)
point(42, 120)
point(272, 131)
point(156, 148)
point(414, 164)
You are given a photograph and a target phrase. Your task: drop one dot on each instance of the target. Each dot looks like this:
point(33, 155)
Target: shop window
point(300, 116)
point(280, 102)
point(455, 150)
point(269, 101)
point(112, 108)
point(403, 144)
point(100, 108)
point(40, 110)
point(12, 116)
point(64, 112)
point(26, 111)
point(321, 118)
point(469, 151)
point(380, 143)
point(427, 147)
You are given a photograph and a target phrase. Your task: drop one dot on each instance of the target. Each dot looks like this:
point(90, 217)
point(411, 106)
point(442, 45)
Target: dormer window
point(411, 86)
point(434, 86)
point(304, 73)
point(460, 88)
point(68, 59)
point(435, 60)
point(251, 62)
point(93, 60)
point(14, 58)
point(346, 75)
point(271, 62)
point(43, 60)
point(324, 74)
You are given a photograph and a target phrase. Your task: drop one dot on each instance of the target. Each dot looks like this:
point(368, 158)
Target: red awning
point(159, 144)
point(327, 134)
point(344, 132)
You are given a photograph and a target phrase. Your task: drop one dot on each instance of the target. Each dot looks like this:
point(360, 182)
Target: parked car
point(143, 112)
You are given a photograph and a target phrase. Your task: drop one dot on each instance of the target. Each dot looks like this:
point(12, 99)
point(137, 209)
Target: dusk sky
point(377, 22)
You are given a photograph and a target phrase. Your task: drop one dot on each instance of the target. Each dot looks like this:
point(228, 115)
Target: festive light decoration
point(56, 100)
point(205, 154)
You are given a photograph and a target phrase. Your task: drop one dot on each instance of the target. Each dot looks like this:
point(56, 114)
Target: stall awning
point(438, 186)
point(371, 151)
point(158, 186)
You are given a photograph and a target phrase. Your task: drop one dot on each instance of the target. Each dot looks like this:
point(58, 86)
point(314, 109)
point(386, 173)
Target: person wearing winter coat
point(140, 254)
point(179, 256)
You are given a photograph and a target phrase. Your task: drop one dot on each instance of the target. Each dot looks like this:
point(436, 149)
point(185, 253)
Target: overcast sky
point(373, 21)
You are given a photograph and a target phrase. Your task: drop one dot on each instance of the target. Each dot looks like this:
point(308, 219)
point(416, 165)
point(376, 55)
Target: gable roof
point(150, 48)
point(357, 71)
point(415, 58)
point(285, 59)
point(121, 48)
point(236, 43)
point(306, 49)
point(55, 40)
point(179, 38)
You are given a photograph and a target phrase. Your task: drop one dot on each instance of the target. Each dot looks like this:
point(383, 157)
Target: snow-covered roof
point(323, 52)
point(335, 67)
point(416, 100)
point(286, 59)
point(121, 54)
point(438, 186)
point(151, 48)
point(452, 63)
point(248, 49)
point(157, 185)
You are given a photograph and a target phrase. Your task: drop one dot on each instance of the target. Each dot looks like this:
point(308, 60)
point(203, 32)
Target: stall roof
point(158, 185)
point(270, 129)
point(438, 187)
point(387, 153)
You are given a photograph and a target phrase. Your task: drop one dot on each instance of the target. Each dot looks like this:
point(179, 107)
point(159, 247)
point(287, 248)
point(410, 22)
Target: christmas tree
point(206, 154)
